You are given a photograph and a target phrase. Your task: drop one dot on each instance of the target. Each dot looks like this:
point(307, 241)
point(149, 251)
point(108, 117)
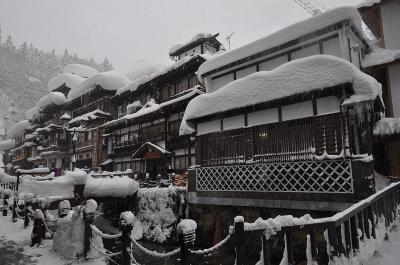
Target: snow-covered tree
point(23, 50)
point(106, 64)
point(9, 44)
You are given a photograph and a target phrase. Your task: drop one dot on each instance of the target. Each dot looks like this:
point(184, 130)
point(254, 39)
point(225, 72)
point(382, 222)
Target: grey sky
point(130, 31)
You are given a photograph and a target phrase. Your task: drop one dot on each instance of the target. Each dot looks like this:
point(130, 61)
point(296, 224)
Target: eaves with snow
point(387, 127)
point(284, 35)
point(110, 80)
point(152, 76)
point(295, 77)
point(379, 56)
point(17, 128)
point(51, 99)
point(72, 76)
point(368, 3)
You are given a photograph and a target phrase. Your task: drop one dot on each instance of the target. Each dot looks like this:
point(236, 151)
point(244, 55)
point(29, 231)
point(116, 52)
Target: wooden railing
point(295, 140)
point(364, 222)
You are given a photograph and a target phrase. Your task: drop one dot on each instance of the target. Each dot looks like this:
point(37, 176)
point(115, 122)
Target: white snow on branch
point(295, 77)
point(284, 35)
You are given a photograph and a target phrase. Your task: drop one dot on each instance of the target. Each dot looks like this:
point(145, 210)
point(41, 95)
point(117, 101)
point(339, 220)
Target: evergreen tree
point(9, 44)
point(106, 65)
point(24, 50)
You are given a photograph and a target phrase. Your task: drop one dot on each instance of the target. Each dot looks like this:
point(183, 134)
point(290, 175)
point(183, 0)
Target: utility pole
point(228, 39)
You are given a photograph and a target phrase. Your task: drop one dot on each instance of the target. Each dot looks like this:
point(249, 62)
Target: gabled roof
point(195, 41)
point(150, 145)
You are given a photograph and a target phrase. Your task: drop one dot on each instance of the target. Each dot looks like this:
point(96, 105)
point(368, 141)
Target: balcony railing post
point(313, 246)
point(366, 223)
point(341, 249)
point(289, 248)
point(266, 250)
point(361, 225)
point(355, 244)
point(239, 241)
point(333, 241)
point(347, 237)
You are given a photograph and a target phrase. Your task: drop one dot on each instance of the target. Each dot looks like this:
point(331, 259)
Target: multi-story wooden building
point(272, 140)
point(144, 136)
point(88, 107)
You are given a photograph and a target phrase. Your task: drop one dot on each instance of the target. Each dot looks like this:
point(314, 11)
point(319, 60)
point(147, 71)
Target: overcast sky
point(132, 31)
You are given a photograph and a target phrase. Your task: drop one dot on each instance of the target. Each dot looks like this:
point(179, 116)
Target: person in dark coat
point(39, 230)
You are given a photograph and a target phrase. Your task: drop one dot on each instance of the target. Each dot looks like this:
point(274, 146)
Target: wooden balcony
point(289, 164)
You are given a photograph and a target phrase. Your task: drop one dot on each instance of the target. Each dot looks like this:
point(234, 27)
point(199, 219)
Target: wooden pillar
point(266, 250)
point(126, 244)
point(239, 241)
point(289, 248)
point(313, 246)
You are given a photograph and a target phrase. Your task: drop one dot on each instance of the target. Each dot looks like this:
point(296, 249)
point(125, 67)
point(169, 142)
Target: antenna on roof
point(310, 7)
point(228, 39)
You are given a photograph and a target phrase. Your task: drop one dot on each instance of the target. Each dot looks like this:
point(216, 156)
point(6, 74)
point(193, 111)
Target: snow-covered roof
point(151, 145)
point(80, 70)
point(53, 98)
point(110, 80)
point(17, 128)
point(95, 114)
point(39, 170)
point(387, 127)
point(133, 86)
point(284, 35)
point(131, 108)
point(295, 77)
point(380, 56)
point(368, 3)
point(69, 80)
point(152, 106)
point(7, 144)
point(47, 128)
point(65, 116)
point(195, 38)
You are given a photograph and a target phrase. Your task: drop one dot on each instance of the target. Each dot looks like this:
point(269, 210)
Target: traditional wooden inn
point(88, 107)
point(287, 138)
point(383, 63)
point(293, 136)
point(144, 136)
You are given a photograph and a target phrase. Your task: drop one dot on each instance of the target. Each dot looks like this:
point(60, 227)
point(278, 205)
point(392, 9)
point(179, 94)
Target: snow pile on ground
point(110, 80)
point(380, 56)
point(69, 237)
point(80, 70)
point(7, 144)
point(287, 34)
point(156, 212)
point(196, 37)
point(295, 77)
point(53, 98)
point(69, 80)
point(110, 187)
point(17, 128)
point(387, 127)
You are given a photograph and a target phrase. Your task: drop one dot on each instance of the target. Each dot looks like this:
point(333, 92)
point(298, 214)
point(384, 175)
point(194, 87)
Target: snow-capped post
point(14, 214)
point(63, 208)
point(88, 218)
point(126, 218)
point(187, 234)
point(239, 239)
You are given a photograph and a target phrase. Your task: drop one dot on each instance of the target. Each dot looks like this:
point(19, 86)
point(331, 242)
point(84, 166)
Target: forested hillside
point(24, 73)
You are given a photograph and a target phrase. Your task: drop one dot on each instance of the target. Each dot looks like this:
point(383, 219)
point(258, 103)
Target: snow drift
point(110, 187)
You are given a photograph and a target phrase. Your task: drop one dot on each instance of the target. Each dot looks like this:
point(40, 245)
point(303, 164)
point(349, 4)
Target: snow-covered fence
point(351, 236)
